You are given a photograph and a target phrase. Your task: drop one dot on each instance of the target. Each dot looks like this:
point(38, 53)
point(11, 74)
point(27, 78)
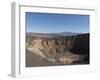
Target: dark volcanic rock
point(81, 44)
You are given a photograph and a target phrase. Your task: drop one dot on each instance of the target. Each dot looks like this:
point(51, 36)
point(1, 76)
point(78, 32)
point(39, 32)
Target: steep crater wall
point(63, 50)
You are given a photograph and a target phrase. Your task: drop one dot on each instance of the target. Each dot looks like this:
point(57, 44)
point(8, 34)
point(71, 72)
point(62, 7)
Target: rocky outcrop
point(60, 50)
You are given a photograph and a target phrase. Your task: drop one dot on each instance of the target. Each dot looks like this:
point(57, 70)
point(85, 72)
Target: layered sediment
point(59, 50)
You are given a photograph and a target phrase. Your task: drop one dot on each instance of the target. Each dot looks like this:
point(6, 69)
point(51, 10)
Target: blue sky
point(53, 23)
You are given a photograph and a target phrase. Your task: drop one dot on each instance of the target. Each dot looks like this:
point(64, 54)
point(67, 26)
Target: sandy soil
point(33, 60)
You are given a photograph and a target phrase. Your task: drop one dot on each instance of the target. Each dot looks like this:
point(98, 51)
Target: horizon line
point(56, 32)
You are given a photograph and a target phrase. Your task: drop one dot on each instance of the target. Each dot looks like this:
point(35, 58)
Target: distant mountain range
point(50, 35)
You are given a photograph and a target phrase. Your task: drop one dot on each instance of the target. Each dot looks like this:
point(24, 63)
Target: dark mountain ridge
point(52, 35)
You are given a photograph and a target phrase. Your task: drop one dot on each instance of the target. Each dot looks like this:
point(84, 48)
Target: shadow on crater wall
point(81, 46)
